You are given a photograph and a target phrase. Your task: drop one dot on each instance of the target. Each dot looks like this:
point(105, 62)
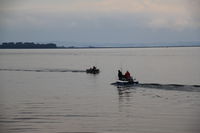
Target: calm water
point(47, 91)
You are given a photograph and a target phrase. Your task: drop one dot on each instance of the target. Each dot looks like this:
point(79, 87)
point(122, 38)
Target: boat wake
point(175, 87)
point(44, 70)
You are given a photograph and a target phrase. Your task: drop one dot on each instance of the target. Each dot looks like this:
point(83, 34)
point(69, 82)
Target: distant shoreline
point(124, 47)
point(104, 47)
point(31, 45)
point(26, 45)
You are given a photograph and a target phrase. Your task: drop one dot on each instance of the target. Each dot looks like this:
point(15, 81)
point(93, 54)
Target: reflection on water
point(125, 97)
point(124, 91)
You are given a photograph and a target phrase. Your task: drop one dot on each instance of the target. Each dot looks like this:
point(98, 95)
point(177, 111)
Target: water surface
point(48, 91)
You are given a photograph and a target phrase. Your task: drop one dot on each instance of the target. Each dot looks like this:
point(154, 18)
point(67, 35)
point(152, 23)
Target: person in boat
point(120, 75)
point(128, 76)
point(94, 68)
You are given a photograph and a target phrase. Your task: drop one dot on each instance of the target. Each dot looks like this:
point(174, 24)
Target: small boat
point(125, 80)
point(92, 71)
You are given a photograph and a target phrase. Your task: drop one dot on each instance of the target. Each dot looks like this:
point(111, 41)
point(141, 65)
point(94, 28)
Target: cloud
point(100, 6)
point(129, 18)
point(173, 14)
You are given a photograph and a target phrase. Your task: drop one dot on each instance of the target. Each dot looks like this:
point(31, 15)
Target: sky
point(101, 21)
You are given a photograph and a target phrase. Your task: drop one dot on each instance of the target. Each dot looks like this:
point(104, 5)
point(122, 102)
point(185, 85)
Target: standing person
point(120, 75)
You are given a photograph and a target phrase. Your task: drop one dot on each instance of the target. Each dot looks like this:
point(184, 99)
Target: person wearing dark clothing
point(120, 75)
point(94, 68)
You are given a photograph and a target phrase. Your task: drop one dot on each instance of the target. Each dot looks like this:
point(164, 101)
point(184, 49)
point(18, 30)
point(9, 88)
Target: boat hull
point(92, 71)
point(125, 83)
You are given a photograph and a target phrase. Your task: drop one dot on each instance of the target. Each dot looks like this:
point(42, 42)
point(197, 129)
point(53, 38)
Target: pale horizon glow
point(100, 20)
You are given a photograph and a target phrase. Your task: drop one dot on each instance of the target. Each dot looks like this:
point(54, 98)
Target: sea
point(48, 90)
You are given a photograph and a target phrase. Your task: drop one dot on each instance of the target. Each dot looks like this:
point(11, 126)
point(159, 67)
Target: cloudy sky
point(120, 21)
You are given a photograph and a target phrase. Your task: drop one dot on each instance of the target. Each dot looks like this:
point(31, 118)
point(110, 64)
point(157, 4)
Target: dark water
point(49, 91)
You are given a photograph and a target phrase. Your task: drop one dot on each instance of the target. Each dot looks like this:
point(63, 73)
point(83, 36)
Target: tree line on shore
point(27, 45)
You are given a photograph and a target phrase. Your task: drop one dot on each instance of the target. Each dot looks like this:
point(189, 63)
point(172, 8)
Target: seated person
point(120, 75)
point(128, 76)
point(94, 68)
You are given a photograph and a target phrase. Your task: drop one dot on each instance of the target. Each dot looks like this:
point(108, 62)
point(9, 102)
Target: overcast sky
point(120, 21)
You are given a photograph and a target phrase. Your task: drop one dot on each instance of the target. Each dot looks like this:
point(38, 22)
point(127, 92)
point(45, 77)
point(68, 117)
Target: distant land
point(75, 45)
point(26, 45)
